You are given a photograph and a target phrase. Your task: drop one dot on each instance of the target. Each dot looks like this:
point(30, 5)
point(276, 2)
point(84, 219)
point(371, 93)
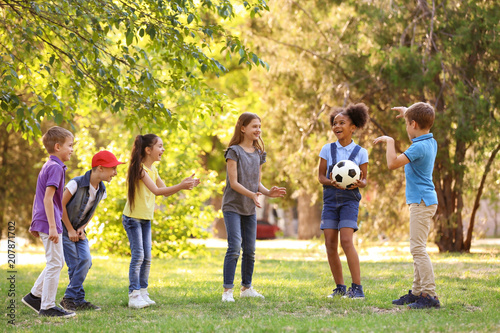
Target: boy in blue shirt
point(80, 199)
point(418, 162)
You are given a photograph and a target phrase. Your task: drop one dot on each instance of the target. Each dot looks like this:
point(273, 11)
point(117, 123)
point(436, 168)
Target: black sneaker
point(339, 291)
point(33, 302)
point(426, 302)
point(87, 306)
point(405, 299)
point(68, 304)
point(355, 292)
point(56, 312)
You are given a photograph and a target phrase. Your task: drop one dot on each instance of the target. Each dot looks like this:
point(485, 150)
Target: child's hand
point(255, 198)
point(53, 235)
point(189, 183)
point(383, 138)
point(334, 183)
point(34, 233)
point(277, 192)
point(401, 110)
point(73, 235)
point(81, 233)
point(358, 183)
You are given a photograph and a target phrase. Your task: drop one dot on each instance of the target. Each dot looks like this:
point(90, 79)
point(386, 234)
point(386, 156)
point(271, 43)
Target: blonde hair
point(422, 113)
point(55, 135)
point(237, 138)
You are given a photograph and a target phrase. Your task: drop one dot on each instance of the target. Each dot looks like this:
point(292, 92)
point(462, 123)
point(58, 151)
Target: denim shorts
point(340, 209)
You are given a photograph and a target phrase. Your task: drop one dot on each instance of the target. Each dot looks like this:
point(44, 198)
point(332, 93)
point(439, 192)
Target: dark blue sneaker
point(33, 302)
point(339, 291)
point(426, 302)
point(355, 292)
point(406, 299)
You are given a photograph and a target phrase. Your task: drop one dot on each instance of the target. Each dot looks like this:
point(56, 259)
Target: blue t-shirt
point(343, 153)
point(418, 172)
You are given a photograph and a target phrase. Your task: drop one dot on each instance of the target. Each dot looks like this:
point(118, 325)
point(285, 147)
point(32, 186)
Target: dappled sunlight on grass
point(295, 281)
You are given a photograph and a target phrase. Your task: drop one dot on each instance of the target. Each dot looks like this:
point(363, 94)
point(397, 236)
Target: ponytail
point(135, 168)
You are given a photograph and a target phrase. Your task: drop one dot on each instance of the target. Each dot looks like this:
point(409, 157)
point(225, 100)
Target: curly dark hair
point(358, 113)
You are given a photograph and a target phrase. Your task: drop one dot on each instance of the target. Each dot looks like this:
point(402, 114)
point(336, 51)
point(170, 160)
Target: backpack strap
point(333, 152)
point(355, 152)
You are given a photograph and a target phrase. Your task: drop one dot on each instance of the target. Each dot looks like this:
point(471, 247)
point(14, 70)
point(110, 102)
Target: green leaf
point(190, 18)
point(130, 37)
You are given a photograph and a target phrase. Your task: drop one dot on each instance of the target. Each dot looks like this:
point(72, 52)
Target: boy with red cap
point(80, 199)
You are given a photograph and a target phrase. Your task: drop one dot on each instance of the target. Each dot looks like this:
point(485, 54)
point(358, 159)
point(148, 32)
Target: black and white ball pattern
point(345, 173)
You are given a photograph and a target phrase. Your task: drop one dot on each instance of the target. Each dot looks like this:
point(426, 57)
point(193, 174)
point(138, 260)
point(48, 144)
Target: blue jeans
point(241, 233)
point(139, 236)
point(79, 261)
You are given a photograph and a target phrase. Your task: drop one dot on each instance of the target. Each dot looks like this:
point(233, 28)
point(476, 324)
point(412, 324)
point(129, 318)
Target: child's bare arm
point(72, 234)
point(393, 161)
point(49, 211)
point(187, 183)
point(34, 233)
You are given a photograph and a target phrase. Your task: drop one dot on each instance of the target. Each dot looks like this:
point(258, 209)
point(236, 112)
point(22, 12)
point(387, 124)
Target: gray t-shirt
point(248, 167)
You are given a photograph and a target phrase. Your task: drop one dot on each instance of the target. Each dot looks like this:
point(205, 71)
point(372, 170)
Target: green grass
point(295, 283)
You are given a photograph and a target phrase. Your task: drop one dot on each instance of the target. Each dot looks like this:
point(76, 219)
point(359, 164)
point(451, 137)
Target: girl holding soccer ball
point(340, 206)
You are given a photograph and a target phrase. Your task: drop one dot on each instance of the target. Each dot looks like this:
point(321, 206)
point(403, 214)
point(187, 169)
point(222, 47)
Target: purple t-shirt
point(52, 174)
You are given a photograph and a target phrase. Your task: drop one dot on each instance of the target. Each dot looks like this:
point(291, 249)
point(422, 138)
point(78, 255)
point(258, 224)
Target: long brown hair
point(135, 168)
point(237, 138)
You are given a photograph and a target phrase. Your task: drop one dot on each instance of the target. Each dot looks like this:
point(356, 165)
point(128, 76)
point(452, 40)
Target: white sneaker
point(136, 301)
point(145, 297)
point(227, 296)
point(250, 292)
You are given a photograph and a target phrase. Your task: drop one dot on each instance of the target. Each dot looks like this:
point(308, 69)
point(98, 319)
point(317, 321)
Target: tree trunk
point(289, 230)
point(3, 168)
point(468, 240)
point(309, 217)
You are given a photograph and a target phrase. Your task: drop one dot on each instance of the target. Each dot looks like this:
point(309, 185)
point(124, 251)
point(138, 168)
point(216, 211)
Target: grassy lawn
point(295, 283)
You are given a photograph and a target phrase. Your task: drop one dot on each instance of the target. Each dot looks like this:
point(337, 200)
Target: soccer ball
point(345, 173)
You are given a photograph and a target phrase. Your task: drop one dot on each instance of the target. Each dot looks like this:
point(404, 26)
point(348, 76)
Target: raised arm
point(393, 161)
point(186, 184)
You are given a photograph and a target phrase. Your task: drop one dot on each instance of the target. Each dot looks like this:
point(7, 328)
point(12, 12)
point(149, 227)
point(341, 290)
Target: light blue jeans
point(139, 236)
point(241, 233)
point(79, 261)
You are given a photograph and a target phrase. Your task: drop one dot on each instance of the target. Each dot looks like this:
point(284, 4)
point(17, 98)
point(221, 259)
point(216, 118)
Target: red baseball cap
point(105, 158)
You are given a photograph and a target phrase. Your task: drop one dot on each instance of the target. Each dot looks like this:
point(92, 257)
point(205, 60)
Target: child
point(144, 184)
point(420, 196)
point(80, 200)
point(340, 206)
point(46, 222)
point(244, 156)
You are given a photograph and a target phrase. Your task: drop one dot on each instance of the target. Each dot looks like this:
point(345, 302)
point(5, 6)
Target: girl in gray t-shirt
point(244, 157)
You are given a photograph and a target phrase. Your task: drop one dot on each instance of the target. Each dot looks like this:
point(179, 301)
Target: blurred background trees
point(180, 70)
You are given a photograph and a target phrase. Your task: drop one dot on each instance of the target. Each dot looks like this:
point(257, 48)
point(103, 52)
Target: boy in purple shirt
point(46, 222)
